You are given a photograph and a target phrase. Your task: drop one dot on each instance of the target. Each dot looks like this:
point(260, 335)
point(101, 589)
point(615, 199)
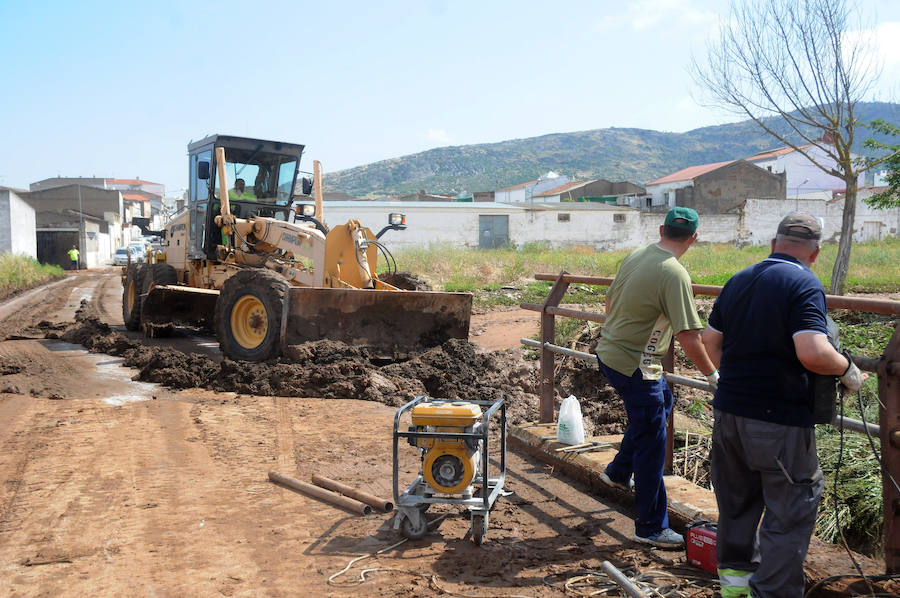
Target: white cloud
point(644, 15)
point(887, 43)
point(438, 136)
point(883, 45)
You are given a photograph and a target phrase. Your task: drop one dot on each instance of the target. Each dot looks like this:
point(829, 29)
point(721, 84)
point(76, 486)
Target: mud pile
point(334, 370)
point(330, 369)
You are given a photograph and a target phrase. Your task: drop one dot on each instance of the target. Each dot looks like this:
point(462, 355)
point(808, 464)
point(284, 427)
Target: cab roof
point(247, 143)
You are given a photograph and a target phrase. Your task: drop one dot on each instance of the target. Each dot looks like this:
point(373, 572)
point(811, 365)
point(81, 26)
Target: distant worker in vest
point(239, 192)
point(73, 256)
point(767, 333)
point(649, 301)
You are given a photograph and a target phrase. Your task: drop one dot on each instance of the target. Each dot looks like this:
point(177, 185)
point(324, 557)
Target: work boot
point(663, 539)
point(628, 487)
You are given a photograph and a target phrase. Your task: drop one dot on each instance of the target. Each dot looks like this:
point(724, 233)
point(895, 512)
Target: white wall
point(511, 195)
point(593, 228)
point(427, 222)
point(798, 169)
point(712, 229)
point(658, 192)
point(457, 223)
point(761, 218)
point(17, 225)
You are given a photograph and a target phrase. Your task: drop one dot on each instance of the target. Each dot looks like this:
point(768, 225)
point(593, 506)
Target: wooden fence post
point(548, 335)
point(889, 421)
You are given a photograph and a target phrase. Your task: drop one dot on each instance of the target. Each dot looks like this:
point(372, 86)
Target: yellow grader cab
point(240, 261)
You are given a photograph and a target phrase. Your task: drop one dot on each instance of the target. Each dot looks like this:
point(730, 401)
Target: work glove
point(713, 379)
point(852, 378)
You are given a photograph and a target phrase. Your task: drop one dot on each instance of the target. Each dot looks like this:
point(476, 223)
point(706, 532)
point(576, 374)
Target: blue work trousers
point(643, 450)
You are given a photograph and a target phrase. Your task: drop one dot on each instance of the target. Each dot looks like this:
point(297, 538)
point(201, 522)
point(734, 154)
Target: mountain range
point(616, 154)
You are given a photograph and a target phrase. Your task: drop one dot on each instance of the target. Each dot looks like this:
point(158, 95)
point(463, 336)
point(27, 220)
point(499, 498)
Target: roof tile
point(689, 173)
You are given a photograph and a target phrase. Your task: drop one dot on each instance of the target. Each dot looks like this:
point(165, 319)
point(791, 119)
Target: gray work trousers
point(761, 469)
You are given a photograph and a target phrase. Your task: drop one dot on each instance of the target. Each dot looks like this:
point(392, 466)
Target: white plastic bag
point(570, 427)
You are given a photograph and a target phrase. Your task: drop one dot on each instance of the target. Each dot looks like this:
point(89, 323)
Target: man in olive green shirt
point(649, 301)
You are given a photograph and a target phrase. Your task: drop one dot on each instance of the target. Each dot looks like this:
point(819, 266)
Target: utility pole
point(80, 225)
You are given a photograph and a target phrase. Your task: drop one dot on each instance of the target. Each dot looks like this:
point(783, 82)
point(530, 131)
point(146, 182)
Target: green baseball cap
point(685, 218)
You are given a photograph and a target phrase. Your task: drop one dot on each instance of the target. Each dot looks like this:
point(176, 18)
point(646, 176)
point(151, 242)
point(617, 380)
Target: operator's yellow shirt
point(651, 299)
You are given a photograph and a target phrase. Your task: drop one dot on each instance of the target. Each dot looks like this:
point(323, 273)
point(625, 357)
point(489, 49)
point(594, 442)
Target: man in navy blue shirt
point(767, 335)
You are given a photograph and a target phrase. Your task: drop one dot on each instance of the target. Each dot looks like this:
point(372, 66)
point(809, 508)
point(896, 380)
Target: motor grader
point(264, 271)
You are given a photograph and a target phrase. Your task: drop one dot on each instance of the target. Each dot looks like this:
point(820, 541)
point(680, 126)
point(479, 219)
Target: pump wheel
point(248, 315)
point(131, 296)
point(479, 528)
point(414, 525)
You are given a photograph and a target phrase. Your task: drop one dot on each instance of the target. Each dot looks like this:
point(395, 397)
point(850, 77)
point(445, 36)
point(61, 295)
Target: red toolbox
point(701, 545)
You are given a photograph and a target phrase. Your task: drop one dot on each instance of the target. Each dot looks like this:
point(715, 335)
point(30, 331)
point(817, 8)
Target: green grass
point(874, 268)
point(18, 272)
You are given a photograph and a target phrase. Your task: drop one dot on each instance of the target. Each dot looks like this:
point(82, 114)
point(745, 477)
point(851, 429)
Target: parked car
point(122, 255)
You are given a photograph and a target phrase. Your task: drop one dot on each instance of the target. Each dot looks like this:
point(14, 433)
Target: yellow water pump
point(454, 442)
point(449, 464)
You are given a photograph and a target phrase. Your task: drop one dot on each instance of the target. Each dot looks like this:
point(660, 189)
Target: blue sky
point(119, 88)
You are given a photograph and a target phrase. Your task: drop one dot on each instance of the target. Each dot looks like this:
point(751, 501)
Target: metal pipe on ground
point(617, 576)
point(324, 495)
point(370, 499)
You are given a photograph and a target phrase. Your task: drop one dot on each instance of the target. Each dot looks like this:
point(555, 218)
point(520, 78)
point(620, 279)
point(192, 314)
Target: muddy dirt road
point(116, 487)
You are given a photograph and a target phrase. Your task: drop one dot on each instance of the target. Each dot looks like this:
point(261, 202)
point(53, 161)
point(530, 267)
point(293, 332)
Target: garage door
point(493, 231)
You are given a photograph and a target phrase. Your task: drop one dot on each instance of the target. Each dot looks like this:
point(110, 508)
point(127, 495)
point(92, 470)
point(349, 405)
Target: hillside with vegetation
point(617, 154)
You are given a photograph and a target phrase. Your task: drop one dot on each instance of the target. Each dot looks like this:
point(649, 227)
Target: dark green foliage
point(889, 198)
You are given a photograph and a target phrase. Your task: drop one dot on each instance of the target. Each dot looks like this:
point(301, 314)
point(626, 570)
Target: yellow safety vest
point(73, 254)
point(245, 196)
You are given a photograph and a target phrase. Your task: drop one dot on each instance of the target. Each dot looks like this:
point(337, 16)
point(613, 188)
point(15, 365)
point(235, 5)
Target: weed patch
point(19, 272)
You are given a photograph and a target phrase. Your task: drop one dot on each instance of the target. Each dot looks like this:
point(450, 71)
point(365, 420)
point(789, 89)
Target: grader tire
point(248, 315)
point(131, 296)
point(155, 275)
point(158, 274)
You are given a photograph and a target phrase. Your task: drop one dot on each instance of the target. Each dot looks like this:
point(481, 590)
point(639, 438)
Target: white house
point(802, 175)
point(526, 191)
point(560, 192)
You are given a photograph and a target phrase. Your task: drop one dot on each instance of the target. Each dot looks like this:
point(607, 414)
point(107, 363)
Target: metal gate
point(871, 231)
point(493, 231)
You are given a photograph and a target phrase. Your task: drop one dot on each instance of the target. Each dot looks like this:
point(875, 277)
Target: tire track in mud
point(16, 446)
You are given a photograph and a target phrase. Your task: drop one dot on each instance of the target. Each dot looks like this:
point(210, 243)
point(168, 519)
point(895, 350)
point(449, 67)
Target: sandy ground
point(116, 487)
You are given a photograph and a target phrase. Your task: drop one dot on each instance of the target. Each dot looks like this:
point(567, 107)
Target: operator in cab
point(239, 192)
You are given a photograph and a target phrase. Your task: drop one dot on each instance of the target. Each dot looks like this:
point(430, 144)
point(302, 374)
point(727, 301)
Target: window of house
point(618, 217)
point(563, 217)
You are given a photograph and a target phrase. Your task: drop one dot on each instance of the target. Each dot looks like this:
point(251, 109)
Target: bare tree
point(797, 69)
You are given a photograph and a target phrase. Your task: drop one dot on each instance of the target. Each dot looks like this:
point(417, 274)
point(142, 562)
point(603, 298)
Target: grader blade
point(390, 321)
point(168, 305)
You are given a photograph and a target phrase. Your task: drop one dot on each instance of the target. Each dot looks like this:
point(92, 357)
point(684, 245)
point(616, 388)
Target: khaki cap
point(802, 226)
